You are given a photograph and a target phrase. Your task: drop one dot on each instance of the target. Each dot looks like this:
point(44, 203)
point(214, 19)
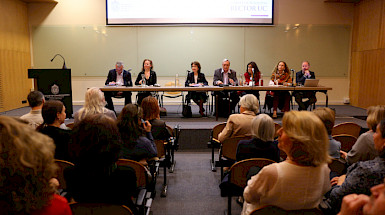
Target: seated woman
point(364, 149)
point(54, 114)
point(93, 104)
point(136, 146)
point(281, 76)
point(25, 176)
point(148, 76)
point(361, 176)
point(302, 179)
point(240, 124)
point(96, 178)
point(150, 109)
point(252, 74)
point(193, 79)
point(262, 145)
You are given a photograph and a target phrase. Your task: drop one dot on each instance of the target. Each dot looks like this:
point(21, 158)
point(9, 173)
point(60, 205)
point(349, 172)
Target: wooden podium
point(54, 84)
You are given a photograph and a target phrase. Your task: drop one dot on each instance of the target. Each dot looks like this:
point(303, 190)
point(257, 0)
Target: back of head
point(375, 115)
point(35, 98)
point(309, 137)
point(27, 165)
point(249, 102)
point(128, 124)
point(50, 110)
point(327, 116)
point(262, 127)
point(94, 102)
point(150, 108)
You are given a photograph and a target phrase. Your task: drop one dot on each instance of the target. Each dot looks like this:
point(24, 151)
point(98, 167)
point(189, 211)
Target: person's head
point(304, 138)
point(119, 66)
point(94, 99)
point(263, 128)
point(375, 115)
point(128, 124)
point(147, 65)
point(376, 205)
point(305, 65)
point(281, 66)
point(150, 108)
point(225, 65)
point(249, 102)
point(95, 142)
point(35, 99)
point(26, 166)
point(379, 138)
point(250, 66)
point(53, 111)
point(196, 66)
point(327, 116)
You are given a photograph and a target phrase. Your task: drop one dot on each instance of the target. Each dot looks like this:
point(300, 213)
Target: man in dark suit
point(121, 77)
point(301, 76)
point(226, 76)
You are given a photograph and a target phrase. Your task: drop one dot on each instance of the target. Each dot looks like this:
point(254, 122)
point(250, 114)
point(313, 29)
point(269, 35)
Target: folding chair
point(214, 143)
point(347, 141)
point(99, 209)
point(350, 128)
point(338, 167)
point(164, 161)
point(173, 145)
point(62, 165)
point(171, 94)
point(269, 209)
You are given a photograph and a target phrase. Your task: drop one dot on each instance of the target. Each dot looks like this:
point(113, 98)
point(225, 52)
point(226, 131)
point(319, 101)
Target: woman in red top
point(281, 76)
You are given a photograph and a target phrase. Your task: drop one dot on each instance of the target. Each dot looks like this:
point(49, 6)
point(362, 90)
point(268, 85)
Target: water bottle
point(176, 80)
point(143, 80)
point(261, 80)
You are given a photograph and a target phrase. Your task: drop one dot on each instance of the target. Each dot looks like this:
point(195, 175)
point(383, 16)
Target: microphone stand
point(64, 64)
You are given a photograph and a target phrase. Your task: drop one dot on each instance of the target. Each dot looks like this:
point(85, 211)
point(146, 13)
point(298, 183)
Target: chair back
point(70, 125)
point(218, 129)
point(229, 146)
point(350, 128)
point(240, 169)
point(337, 166)
point(160, 147)
point(99, 209)
point(347, 141)
point(62, 165)
point(269, 209)
point(140, 171)
point(277, 127)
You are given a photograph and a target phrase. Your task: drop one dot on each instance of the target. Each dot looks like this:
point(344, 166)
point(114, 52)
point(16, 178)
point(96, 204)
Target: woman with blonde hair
point(302, 179)
point(27, 167)
point(93, 104)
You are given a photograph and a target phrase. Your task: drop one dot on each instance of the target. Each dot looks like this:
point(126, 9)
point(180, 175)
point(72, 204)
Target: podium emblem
point(55, 89)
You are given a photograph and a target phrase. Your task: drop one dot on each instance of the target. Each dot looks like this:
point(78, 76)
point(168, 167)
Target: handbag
point(186, 110)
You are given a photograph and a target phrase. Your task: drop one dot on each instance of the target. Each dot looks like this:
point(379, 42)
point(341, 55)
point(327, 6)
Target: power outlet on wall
point(346, 100)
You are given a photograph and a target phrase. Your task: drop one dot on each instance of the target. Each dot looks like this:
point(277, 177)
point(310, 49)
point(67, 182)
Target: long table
point(217, 88)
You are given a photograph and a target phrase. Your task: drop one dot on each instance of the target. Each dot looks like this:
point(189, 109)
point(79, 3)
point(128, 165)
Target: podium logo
point(55, 89)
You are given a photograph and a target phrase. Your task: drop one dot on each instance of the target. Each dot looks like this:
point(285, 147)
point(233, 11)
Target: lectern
point(54, 84)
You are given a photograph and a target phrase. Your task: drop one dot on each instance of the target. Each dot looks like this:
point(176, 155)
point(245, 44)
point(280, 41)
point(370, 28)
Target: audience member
point(54, 114)
point(196, 78)
point(27, 167)
point(119, 77)
point(301, 76)
point(364, 149)
point(146, 77)
point(96, 178)
point(302, 179)
point(136, 146)
point(240, 124)
point(35, 101)
point(93, 104)
point(150, 109)
point(281, 76)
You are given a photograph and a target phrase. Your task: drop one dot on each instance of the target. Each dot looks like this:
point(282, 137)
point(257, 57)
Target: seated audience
point(27, 168)
point(364, 149)
point(93, 104)
point(150, 109)
point(136, 146)
point(262, 145)
point(96, 178)
point(35, 101)
point(54, 115)
point(302, 179)
point(327, 116)
point(361, 176)
point(240, 124)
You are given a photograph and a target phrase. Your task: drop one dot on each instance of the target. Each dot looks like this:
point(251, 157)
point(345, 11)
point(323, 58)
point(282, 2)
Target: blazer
point(190, 79)
point(126, 77)
point(150, 81)
point(218, 76)
point(300, 78)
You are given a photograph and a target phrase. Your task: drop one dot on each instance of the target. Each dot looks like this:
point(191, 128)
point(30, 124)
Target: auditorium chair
point(269, 209)
point(62, 165)
point(214, 143)
point(173, 145)
point(350, 128)
point(347, 141)
point(99, 209)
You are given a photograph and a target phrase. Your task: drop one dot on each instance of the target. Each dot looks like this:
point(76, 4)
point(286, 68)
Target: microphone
point(64, 64)
point(129, 70)
point(188, 71)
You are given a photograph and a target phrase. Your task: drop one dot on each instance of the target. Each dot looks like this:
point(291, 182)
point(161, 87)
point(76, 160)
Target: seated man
point(226, 76)
point(35, 101)
point(301, 76)
point(121, 77)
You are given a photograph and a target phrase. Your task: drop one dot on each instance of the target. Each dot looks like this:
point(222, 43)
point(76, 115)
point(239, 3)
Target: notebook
point(311, 83)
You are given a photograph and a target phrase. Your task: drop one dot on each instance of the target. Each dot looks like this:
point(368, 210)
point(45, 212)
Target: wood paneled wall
point(367, 76)
point(15, 54)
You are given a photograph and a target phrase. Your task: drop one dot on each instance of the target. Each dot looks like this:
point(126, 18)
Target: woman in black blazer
point(150, 79)
point(196, 79)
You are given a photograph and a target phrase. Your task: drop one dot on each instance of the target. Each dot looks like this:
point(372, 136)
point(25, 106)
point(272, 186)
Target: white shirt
point(119, 78)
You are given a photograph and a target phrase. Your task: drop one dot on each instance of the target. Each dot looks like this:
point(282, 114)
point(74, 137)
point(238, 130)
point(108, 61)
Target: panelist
point(252, 74)
point(281, 76)
point(301, 76)
point(119, 77)
point(196, 78)
point(146, 77)
point(222, 77)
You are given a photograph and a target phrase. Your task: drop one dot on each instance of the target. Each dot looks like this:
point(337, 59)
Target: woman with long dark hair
point(146, 77)
point(196, 78)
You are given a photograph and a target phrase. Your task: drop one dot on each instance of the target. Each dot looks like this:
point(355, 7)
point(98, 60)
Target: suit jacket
point(190, 79)
point(126, 77)
point(218, 76)
point(237, 125)
point(300, 78)
point(150, 81)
